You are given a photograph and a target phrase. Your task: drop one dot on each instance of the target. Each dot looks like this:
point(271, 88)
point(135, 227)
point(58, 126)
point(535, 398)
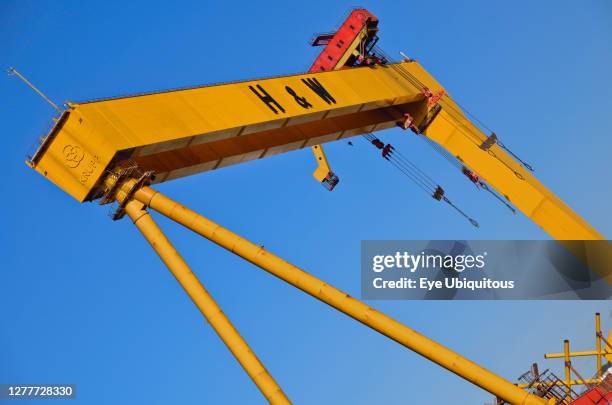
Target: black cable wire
point(494, 194)
point(527, 165)
point(412, 167)
point(413, 174)
point(419, 177)
point(420, 86)
point(444, 153)
point(427, 191)
point(430, 189)
point(476, 139)
point(396, 156)
point(455, 162)
point(405, 159)
point(472, 220)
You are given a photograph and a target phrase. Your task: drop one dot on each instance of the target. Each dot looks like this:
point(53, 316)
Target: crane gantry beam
point(184, 132)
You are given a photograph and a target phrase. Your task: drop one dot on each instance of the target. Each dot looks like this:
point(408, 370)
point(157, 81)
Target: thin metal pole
point(338, 299)
point(606, 342)
point(568, 371)
point(205, 303)
point(13, 71)
point(588, 381)
point(581, 379)
point(576, 354)
point(598, 342)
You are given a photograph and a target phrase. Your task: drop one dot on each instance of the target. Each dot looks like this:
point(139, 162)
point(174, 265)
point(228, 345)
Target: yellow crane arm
point(449, 127)
point(508, 177)
point(183, 132)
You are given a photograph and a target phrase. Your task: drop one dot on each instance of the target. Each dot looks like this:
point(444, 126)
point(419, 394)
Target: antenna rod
point(13, 72)
point(406, 57)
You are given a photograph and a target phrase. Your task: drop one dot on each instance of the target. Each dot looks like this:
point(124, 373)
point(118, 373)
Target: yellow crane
point(113, 150)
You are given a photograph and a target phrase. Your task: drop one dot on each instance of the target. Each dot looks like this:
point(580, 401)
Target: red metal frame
point(337, 45)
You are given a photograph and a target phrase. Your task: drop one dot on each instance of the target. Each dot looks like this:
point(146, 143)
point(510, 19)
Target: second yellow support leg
point(206, 304)
point(339, 300)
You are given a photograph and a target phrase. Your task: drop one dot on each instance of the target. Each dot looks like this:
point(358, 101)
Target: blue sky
point(84, 300)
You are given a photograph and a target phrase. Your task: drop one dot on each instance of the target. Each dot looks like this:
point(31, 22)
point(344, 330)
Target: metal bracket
point(120, 177)
point(431, 115)
point(322, 39)
point(490, 141)
point(323, 173)
point(408, 123)
point(433, 100)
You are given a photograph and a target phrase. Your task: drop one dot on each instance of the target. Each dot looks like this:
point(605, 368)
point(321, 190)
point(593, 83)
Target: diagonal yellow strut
point(338, 299)
point(205, 303)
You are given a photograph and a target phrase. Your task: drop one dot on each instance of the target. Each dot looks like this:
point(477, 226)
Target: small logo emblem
point(73, 155)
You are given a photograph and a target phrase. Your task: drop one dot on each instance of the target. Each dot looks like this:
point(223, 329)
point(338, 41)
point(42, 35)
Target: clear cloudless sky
point(84, 300)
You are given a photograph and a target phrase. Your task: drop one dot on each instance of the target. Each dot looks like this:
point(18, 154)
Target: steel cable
point(460, 109)
point(418, 176)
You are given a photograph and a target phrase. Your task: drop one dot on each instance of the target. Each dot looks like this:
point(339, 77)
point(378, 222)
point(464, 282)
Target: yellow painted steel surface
point(598, 343)
point(568, 371)
point(182, 132)
point(585, 353)
point(335, 298)
point(206, 304)
point(508, 177)
point(463, 139)
point(323, 168)
point(608, 343)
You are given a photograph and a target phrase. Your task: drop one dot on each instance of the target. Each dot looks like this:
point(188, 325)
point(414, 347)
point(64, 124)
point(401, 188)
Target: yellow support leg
point(205, 303)
point(338, 299)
